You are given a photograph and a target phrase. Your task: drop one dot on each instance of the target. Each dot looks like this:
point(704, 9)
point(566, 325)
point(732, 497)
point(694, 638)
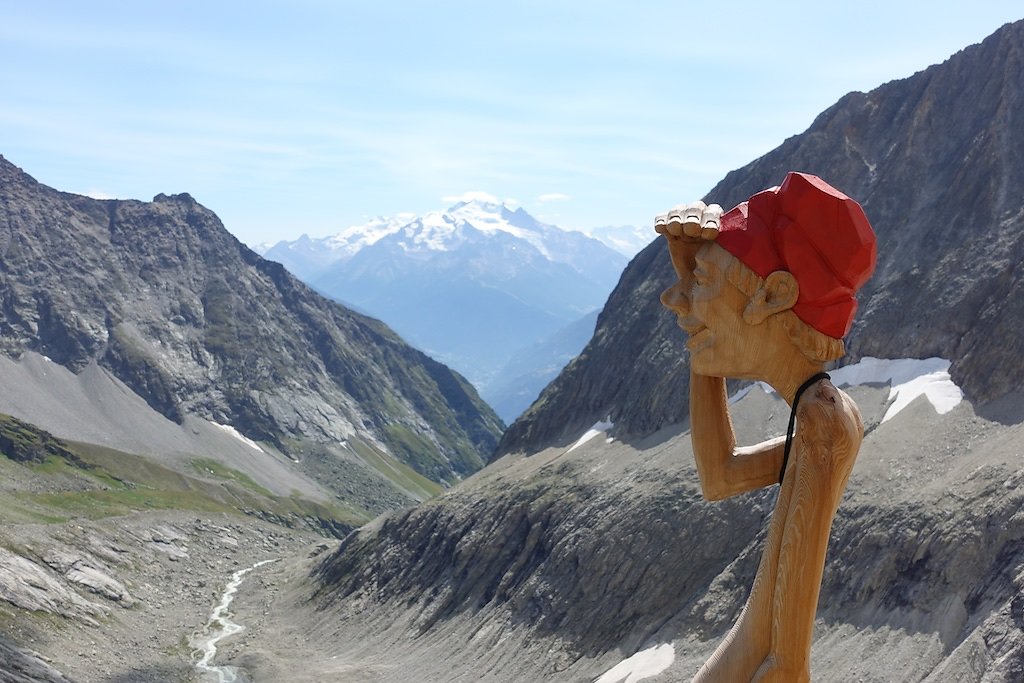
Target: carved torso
point(771, 639)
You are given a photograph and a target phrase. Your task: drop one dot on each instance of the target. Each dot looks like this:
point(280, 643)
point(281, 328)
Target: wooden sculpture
point(767, 292)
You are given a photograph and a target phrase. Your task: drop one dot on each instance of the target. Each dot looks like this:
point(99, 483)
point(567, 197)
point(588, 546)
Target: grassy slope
point(47, 484)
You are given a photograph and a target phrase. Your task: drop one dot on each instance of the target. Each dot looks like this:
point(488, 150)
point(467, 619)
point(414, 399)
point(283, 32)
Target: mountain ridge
point(903, 151)
point(167, 300)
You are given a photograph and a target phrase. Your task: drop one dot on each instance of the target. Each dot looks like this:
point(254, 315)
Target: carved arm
point(726, 470)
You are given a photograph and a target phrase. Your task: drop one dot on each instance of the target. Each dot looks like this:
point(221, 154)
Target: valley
point(174, 409)
point(194, 439)
point(604, 554)
point(122, 599)
point(485, 288)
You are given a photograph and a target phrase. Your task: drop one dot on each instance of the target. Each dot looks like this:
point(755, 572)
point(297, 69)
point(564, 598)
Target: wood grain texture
point(741, 325)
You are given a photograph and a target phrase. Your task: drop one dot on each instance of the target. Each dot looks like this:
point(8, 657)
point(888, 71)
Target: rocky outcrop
point(27, 585)
point(90, 574)
point(190, 319)
point(24, 443)
point(548, 567)
point(937, 161)
point(24, 666)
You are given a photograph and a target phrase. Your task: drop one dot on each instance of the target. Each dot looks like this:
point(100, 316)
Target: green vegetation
point(212, 468)
point(80, 480)
point(99, 503)
point(405, 477)
point(419, 452)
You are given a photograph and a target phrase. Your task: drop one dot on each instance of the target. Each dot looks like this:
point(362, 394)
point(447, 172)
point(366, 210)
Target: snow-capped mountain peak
point(447, 230)
point(436, 231)
point(476, 221)
point(625, 239)
point(355, 237)
point(307, 255)
point(490, 218)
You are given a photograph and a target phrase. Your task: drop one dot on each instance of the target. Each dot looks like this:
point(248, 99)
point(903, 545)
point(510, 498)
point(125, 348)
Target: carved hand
point(686, 228)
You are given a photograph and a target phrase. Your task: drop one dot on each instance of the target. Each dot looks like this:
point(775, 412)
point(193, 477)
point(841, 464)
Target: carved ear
point(778, 293)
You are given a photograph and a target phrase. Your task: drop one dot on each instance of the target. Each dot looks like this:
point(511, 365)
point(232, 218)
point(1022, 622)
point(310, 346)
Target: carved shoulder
point(828, 436)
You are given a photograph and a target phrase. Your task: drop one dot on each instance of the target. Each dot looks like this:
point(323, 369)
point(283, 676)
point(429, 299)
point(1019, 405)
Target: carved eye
point(704, 274)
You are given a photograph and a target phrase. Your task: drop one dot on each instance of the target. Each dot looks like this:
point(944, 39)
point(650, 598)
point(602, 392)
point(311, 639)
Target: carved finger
point(692, 219)
point(661, 224)
point(674, 221)
point(712, 222)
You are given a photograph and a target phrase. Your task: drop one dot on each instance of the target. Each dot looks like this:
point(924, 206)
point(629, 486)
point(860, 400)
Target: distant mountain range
point(473, 286)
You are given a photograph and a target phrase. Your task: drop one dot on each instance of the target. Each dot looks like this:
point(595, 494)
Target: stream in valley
point(219, 627)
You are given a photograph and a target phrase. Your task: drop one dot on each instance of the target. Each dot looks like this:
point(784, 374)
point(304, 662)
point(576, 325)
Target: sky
point(309, 116)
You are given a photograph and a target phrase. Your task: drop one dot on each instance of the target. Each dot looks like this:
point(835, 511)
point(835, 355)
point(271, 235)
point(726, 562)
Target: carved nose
point(675, 299)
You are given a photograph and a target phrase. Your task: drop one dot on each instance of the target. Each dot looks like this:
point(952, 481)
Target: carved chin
point(699, 341)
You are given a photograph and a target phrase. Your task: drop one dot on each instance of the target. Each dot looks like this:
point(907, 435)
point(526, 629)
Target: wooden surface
point(740, 325)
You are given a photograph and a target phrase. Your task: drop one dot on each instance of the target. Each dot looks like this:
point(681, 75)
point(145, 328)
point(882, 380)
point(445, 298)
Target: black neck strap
point(792, 420)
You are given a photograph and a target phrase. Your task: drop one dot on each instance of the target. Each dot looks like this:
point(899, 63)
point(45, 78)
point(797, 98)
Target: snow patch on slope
point(644, 664)
point(908, 377)
point(238, 435)
point(598, 429)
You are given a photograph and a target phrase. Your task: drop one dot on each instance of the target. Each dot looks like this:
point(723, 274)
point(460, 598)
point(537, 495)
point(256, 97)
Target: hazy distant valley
point(181, 417)
point(484, 288)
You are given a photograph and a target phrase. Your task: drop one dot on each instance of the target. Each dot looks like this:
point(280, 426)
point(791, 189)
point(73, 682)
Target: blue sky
point(309, 116)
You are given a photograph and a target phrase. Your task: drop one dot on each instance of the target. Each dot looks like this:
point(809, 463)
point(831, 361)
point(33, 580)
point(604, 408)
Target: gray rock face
point(197, 324)
point(89, 573)
point(554, 566)
point(24, 666)
point(27, 585)
point(937, 161)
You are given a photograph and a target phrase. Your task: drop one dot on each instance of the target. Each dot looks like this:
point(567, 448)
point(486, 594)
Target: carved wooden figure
point(767, 292)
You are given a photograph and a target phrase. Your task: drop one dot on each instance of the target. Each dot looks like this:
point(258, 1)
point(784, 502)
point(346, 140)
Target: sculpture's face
point(710, 310)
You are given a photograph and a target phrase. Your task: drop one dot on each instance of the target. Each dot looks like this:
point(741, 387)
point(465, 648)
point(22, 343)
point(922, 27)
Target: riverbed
point(218, 627)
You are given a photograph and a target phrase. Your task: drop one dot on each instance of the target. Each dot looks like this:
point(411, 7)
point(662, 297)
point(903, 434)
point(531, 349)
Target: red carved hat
point(818, 234)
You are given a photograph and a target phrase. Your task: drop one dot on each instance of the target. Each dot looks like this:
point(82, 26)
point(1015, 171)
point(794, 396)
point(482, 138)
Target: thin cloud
point(553, 197)
point(471, 196)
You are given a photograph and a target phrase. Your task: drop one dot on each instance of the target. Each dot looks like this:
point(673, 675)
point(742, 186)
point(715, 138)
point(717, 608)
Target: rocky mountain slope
point(563, 564)
point(110, 562)
point(204, 410)
point(937, 161)
point(472, 286)
point(588, 555)
point(162, 298)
